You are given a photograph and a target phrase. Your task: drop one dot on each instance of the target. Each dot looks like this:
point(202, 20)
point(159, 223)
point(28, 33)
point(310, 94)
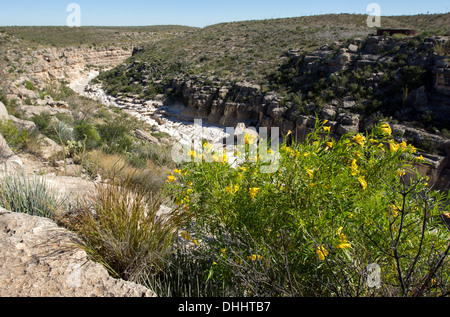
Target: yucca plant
point(28, 194)
point(121, 227)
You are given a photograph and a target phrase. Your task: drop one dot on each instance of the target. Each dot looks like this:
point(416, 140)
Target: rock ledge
point(40, 259)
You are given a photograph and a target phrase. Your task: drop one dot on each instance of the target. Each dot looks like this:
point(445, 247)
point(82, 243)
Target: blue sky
point(194, 12)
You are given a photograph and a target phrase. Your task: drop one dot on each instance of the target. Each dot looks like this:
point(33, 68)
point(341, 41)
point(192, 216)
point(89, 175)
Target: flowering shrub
point(314, 226)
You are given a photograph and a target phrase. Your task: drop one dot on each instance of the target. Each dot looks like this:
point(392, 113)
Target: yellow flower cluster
point(363, 182)
point(232, 190)
point(360, 139)
point(394, 210)
point(322, 253)
point(343, 243)
point(386, 129)
point(253, 192)
point(186, 235)
point(255, 257)
point(249, 139)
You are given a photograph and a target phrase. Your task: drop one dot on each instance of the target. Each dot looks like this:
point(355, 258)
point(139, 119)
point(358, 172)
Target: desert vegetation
point(330, 210)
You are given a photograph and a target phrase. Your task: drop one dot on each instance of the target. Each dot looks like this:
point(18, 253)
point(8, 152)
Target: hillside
point(251, 50)
point(61, 36)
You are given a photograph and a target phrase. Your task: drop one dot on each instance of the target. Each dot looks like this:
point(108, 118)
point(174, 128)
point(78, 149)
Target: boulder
point(23, 124)
point(3, 112)
point(31, 111)
point(9, 162)
point(40, 259)
point(145, 136)
point(48, 147)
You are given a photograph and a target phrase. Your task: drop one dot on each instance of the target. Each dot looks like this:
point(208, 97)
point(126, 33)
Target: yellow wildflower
point(322, 253)
point(393, 147)
point(400, 173)
point(249, 139)
point(403, 145)
point(255, 257)
point(386, 129)
point(171, 179)
point(343, 243)
point(254, 192)
point(412, 149)
point(231, 190)
point(354, 168)
point(394, 209)
point(177, 171)
point(310, 172)
point(359, 139)
point(330, 144)
point(327, 129)
point(325, 122)
point(420, 158)
point(186, 235)
point(363, 182)
point(224, 157)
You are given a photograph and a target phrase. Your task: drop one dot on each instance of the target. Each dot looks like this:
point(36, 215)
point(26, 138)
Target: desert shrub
point(16, 139)
point(3, 98)
point(42, 121)
point(30, 195)
point(115, 137)
point(315, 226)
point(413, 76)
point(87, 133)
point(120, 227)
point(29, 85)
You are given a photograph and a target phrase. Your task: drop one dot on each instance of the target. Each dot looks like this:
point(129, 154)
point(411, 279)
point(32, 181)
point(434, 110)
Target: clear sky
point(195, 12)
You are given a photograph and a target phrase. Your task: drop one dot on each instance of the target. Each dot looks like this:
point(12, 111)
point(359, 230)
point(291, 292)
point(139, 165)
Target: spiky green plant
point(28, 194)
point(121, 227)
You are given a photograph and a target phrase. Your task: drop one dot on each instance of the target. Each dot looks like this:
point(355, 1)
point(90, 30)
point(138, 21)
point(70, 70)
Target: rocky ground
point(39, 259)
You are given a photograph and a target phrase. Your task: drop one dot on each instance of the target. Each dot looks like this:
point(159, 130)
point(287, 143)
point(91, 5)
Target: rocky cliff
point(404, 80)
point(27, 71)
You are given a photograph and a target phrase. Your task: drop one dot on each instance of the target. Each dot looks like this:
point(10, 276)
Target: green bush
point(116, 138)
point(413, 76)
point(87, 133)
point(313, 227)
point(29, 85)
point(16, 139)
point(42, 121)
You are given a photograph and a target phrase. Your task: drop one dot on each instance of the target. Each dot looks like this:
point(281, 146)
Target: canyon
point(219, 103)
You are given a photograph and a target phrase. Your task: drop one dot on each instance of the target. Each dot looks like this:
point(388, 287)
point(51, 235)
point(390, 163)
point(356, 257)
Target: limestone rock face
point(39, 259)
point(9, 162)
point(3, 112)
